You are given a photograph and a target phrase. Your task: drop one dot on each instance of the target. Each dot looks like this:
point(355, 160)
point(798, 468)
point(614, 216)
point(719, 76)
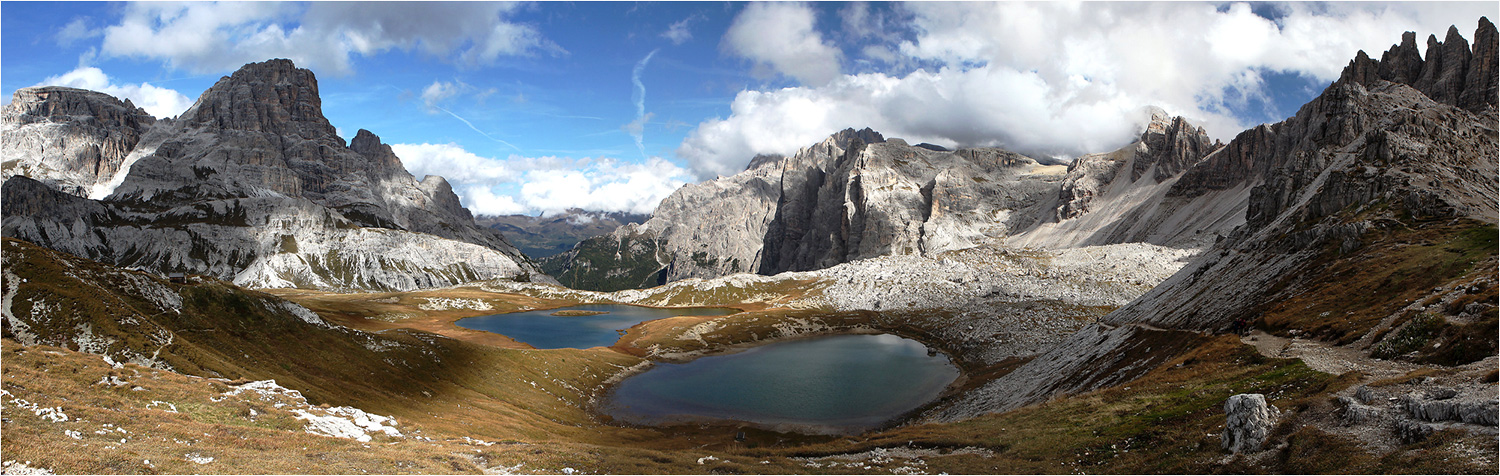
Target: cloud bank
point(527, 185)
point(1053, 78)
point(216, 37)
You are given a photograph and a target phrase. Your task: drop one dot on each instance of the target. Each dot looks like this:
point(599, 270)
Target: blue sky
point(537, 107)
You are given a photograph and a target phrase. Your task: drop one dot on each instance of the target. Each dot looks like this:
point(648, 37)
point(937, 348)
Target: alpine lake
point(839, 384)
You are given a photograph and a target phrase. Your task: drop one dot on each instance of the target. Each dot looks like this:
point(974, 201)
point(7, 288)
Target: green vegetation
point(1415, 335)
point(603, 264)
point(1342, 296)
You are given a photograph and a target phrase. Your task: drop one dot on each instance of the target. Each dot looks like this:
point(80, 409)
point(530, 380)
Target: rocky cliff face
point(852, 196)
point(1375, 170)
point(1149, 191)
point(252, 184)
point(76, 140)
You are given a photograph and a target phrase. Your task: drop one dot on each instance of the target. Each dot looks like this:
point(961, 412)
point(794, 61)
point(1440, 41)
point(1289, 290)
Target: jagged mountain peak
point(846, 136)
point(1451, 72)
point(273, 96)
point(1171, 144)
point(253, 184)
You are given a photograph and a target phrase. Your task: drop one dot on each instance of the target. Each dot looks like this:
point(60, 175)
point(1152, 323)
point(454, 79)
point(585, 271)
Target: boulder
point(1248, 421)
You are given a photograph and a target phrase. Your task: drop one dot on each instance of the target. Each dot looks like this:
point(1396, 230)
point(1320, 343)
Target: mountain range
point(1093, 308)
point(545, 235)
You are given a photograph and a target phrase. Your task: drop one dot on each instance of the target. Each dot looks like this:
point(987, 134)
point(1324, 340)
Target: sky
point(534, 108)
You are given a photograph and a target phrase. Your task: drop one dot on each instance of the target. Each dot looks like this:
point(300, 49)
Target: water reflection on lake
point(543, 330)
point(836, 384)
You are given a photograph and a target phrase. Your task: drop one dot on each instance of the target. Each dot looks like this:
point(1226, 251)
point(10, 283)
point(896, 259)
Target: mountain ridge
point(252, 184)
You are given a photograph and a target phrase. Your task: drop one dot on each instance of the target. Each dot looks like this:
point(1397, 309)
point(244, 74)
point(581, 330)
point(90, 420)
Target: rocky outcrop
point(253, 184)
point(1170, 144)
point(1248, 421)
point(854, 195)
point(73, 139)
point(1451, 72)
point(1481, 82)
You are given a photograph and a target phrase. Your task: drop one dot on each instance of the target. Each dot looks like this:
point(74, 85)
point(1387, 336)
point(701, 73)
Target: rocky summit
point(250, 184)
point(75, 140)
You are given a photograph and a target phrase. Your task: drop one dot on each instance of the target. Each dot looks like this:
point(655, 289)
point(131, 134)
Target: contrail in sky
point(476, 129)
point(637, 128)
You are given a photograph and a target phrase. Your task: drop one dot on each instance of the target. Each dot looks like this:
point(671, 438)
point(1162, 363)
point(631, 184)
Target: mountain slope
point(1372, 226)
point(252, 184)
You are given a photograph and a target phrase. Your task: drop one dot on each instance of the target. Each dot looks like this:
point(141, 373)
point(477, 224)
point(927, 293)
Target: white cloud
point(213, 37)
point(1056, 78)
point(781, 37)
point(454, 163)
point(544, 184)
point(439, 91)
point(157, 101)
point(678, 33)
point(986, 106)
point(605, 185)
point(482, 200)
point(75, 31)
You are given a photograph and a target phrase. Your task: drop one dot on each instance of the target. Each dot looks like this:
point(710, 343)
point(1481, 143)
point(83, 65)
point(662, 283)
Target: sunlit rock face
point(72, 139)
point(252, 184)
point(853, 196)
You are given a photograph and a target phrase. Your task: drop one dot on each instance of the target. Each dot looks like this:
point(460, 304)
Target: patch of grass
point(1414, 335)
point(1342, 296)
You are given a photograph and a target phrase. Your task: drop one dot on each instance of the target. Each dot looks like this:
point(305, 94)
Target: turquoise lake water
point(837, 385)
point(543, 330)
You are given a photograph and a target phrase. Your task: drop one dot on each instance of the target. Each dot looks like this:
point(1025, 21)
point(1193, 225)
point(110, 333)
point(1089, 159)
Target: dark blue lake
point(838, 385)
point(543, 330)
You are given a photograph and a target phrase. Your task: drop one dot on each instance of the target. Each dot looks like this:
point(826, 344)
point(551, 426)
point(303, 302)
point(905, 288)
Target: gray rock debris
point(1410, 431)
point(1248, 422)
point(1466, 410)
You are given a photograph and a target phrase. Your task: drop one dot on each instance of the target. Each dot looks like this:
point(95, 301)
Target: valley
point(237, 292)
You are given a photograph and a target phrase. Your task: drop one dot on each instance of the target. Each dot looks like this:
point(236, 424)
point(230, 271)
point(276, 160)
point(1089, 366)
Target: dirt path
point(1327, 357)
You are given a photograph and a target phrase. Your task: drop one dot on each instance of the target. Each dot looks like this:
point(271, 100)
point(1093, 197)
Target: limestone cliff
point(1369, 161)
point(253, 184)
point(855, 195)
point(73, 139)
